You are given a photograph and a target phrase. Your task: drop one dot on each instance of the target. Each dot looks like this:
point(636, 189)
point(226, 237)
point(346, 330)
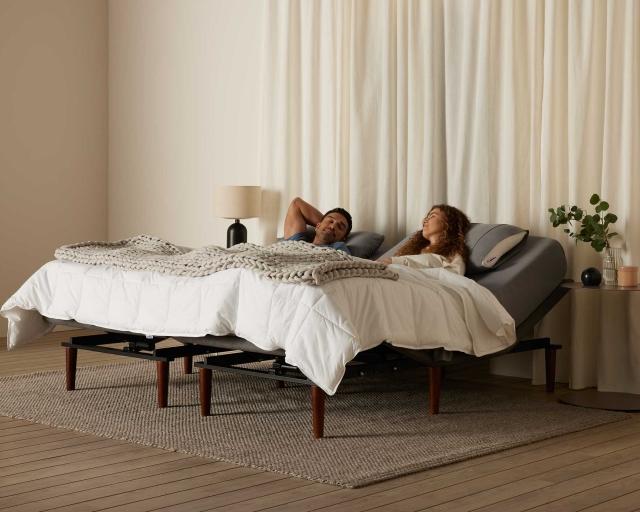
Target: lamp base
point(236, 234)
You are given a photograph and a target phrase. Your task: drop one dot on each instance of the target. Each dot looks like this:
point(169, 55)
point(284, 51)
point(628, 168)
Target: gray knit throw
point(291, 262)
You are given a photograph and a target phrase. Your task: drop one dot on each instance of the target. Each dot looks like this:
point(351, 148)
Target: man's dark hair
point(345, 214)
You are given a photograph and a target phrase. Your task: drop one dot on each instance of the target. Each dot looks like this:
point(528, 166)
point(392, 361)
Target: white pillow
point(491, 244)
point(502, 248)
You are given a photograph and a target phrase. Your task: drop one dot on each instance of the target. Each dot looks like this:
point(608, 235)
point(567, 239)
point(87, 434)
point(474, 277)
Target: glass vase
point(611, 260)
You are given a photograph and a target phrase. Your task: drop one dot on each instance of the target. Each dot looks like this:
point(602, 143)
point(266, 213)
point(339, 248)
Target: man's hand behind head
point(299, 215)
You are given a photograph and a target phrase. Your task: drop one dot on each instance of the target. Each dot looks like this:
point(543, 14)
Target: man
point(331, 229)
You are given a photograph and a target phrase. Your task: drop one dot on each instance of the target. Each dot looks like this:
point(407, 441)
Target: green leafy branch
point(593, 229)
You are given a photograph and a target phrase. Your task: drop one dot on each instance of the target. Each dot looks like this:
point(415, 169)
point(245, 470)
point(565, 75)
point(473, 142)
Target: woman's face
point(433, 223)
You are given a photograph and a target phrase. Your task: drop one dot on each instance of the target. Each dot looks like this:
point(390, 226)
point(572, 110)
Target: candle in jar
point(628, 276)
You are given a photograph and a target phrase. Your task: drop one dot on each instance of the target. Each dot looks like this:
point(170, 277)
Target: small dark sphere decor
point(591, 277)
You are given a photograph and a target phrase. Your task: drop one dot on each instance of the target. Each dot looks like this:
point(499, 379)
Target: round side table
point(590, 397)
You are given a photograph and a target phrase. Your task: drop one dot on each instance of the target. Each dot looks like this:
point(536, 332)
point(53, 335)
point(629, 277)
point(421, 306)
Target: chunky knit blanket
point(292, 262)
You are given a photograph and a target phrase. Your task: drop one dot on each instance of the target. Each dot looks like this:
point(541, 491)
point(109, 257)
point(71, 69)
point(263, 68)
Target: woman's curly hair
point(452, 242)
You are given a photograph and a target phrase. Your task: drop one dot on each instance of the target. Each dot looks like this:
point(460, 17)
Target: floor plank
point(159, 466)
point(77, 469)
point(101, 473)
point(284, 487)
point(136, 489)
point(590, 478)
point(628, 502)
point(595, 498)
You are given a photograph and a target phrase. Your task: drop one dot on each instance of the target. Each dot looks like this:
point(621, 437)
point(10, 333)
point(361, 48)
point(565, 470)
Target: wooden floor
point(43, 468)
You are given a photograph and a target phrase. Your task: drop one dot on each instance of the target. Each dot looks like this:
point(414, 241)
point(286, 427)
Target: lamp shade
point(236, 202)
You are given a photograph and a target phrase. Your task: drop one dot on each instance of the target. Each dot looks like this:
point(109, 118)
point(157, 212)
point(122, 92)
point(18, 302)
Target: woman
point(440, 243)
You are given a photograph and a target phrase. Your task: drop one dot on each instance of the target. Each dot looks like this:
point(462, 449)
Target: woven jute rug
point(376, 427)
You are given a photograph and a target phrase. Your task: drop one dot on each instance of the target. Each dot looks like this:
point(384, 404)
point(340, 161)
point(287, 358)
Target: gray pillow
point(362, 244)
point(490, 245)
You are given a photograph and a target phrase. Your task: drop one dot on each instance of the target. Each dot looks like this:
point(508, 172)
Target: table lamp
point(236, 202)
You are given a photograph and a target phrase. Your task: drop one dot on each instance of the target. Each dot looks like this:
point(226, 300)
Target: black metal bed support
point(377, 359)
point(278, 371)
point(384, 357)
point(138, 346)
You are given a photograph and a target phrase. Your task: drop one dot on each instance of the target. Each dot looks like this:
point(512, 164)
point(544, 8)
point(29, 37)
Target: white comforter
point(321, 328)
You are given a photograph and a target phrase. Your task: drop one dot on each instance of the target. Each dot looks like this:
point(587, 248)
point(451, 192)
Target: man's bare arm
point(299, 215)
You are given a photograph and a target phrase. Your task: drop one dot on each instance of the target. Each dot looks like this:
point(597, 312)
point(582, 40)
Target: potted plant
point(593, 229)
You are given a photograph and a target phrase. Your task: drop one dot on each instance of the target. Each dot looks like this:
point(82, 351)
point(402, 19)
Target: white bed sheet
point(321, 328)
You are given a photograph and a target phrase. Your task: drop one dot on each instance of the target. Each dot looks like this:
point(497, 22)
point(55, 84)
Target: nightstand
point(605, 352)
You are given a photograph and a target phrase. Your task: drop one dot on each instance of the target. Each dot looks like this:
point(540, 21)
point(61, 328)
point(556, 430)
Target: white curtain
point(503, 108)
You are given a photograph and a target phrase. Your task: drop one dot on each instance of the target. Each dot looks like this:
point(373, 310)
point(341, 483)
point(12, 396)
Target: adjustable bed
point(525, 282)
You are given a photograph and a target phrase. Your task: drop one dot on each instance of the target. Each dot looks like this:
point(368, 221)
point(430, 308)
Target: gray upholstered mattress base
point(526, 279)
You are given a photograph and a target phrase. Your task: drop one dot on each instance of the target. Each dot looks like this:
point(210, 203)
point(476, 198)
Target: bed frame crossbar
point(136, 346)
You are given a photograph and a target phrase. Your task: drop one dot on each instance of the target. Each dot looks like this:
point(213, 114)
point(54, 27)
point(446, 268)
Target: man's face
point(333, 228)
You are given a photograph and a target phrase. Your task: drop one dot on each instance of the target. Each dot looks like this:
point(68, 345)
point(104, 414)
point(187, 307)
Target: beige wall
point(118, 118)
point(53, 131)
point(183, 114)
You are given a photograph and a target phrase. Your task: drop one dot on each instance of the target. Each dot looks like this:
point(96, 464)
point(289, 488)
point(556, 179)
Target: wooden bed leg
point(435, 378)
point(71, 358)
point(550, 368)
point(204, 380)
point(188, 365)
point(162, 371)
point(317, 408)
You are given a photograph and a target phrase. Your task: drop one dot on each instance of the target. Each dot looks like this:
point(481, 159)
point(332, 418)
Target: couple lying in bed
point(440, 243)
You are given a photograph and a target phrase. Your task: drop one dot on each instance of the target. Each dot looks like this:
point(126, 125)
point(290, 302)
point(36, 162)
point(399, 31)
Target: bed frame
point(232, 354)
